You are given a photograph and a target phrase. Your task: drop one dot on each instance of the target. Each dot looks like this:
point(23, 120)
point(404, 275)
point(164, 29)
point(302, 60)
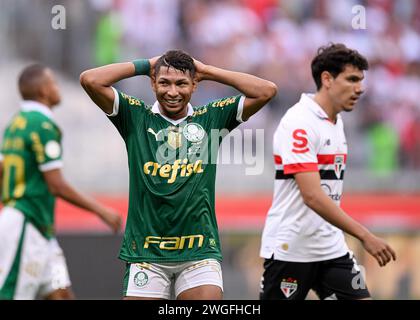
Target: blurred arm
point(256, 90)
point(97, 83)
point(60, 188)
point(314, 197)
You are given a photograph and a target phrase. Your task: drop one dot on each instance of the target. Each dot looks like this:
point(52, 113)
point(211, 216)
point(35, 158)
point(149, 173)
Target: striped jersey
point(305, 141)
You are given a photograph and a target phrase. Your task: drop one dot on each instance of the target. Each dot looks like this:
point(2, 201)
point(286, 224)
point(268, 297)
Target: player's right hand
point(379, 249)
point(111, 218)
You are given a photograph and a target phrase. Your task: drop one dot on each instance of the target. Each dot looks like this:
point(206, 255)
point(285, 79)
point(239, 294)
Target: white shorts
point(154, 280)
point(31, 266)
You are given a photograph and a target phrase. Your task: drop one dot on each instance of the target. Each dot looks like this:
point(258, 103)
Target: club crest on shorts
point(288, 287)
point(338, 165)
point(141, 279)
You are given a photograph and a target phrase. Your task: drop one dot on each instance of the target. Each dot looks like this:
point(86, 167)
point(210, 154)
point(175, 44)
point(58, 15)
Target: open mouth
point(173, 102)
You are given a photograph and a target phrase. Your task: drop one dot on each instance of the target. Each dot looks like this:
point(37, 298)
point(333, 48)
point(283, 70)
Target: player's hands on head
point(200, 70)
point(379, 249)
point(152, 62)
point(111, 218)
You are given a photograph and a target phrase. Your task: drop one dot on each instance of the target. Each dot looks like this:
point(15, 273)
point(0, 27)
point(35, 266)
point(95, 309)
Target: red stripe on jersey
point(329, 158)
point(300, 167)
point(300, 150)
point(278, 159)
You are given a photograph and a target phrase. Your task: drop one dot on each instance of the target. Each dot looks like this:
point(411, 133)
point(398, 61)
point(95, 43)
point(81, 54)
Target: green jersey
point(172, 165)
point(31, 144)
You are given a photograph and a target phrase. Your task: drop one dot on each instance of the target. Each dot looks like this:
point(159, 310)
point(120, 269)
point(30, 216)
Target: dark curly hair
point(334, 58)
point(176, 59)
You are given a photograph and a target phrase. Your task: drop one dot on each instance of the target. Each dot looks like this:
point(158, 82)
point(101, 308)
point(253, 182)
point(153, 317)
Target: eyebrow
point(353, 76)
point(177, 81)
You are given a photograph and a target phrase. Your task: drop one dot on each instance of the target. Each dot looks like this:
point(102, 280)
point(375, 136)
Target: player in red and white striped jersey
point(303, 241)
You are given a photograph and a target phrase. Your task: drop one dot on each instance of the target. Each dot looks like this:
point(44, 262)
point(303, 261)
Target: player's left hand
point(200, 70)
point(111, 218)
point(379, 249)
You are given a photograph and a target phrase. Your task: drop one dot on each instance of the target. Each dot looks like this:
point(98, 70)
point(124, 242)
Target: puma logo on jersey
point(156, 134)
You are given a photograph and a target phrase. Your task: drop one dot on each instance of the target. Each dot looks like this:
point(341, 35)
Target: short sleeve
point(46, 144)
point(227, 112)
point(298, 146)
point(122, 111)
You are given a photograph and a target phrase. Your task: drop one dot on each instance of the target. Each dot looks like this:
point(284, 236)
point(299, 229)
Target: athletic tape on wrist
point(142, 67)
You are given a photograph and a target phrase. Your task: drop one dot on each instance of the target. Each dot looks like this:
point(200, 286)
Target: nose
point(172, 92)
point(359, 90)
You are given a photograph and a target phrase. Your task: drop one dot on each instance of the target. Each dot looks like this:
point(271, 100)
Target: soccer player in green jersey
point(32, 264)
point(171, 239)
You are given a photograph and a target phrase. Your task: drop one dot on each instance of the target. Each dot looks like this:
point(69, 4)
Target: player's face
point(173, 90)
point(50, 88)
point(346, 89)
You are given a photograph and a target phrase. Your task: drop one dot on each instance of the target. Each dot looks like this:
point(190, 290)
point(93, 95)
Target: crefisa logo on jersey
point(288, 287)
point(338, 165)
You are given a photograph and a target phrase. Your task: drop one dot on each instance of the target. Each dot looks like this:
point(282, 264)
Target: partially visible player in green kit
point(171, 239)
point(32, 264)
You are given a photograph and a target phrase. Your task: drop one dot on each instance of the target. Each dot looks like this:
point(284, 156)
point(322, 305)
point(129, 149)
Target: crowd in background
point(275, 39)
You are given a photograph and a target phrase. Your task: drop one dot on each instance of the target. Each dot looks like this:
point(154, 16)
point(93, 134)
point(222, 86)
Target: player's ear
point(195, 83)
point(153, 83)
point(43, 90)
point(326, 79)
